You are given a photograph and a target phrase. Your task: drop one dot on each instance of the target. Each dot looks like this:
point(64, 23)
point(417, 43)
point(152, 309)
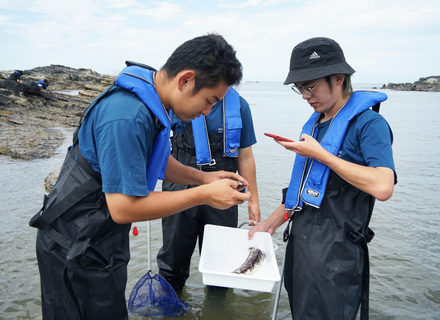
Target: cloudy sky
point(383, 40)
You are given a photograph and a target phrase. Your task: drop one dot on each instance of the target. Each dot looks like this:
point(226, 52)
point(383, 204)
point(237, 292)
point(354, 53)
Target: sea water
point(404, 255)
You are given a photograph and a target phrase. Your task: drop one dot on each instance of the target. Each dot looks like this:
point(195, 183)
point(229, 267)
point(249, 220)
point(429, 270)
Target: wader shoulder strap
point(83, 161)
point(54, 208)
point(48, 214)
point(376, 107)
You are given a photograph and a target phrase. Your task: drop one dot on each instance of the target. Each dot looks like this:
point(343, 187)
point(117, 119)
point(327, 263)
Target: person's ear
point(339, 79)
point(184, 77)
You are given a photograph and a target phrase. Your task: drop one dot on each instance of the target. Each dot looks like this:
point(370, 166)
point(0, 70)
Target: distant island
point(430, 84)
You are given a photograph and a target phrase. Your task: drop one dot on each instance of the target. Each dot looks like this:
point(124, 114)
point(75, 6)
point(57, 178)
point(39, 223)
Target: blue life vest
point(231, 130)
point(309, 177)
point(140, 81)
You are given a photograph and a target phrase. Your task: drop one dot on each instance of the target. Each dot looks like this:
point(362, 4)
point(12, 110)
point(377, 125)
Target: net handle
point(149, 244)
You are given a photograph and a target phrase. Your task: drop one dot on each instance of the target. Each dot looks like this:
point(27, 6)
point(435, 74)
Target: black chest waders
point(355, 230)
point(326, 264)
point(82, 253)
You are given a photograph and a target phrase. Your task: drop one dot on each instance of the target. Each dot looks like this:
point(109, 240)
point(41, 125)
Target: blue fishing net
point(154, 296)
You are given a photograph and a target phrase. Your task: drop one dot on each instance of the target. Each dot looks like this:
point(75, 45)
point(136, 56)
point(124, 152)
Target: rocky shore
point(430, 84)
point(31, 118)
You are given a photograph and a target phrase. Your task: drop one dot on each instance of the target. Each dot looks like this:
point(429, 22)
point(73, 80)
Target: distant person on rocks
point(16, 75)
point(344, 162)
point(43, 84)
point(13, 83)
point(109, 176)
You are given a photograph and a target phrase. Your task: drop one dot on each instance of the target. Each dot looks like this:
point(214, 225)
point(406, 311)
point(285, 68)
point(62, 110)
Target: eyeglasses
point(307, 91)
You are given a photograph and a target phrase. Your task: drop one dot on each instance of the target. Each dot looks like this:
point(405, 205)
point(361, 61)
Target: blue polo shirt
point(117, 140)
point(43, 85)
point(367, 141)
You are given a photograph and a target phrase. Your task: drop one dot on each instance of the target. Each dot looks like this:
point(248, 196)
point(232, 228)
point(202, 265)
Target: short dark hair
point(347, 88)
point(211, 57)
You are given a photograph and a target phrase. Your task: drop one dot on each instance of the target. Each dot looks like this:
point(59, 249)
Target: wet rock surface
point(30, 117)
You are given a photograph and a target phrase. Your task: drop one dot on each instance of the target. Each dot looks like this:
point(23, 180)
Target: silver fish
point(253, 261)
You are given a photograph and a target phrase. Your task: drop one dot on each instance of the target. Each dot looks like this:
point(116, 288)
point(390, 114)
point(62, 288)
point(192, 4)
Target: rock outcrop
point(30, 116)
point(430, 84)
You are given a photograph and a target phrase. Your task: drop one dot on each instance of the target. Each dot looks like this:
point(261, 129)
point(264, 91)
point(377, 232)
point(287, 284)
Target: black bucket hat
point(316, 58)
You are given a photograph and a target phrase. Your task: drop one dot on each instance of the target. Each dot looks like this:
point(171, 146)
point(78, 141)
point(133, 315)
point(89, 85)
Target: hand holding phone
point(241, 188)
point(278, 137)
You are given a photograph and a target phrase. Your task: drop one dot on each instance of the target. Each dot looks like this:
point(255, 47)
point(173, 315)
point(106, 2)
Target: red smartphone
point(278, 137)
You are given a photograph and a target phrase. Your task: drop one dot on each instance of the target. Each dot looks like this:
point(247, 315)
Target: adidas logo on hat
point(314, 55)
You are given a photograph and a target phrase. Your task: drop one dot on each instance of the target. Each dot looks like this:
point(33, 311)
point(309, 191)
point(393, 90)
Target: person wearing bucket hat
point(343, 163)
point(317, 58)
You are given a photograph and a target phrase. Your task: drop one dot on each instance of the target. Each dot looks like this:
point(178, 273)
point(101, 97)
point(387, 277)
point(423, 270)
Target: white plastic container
point(225, 249)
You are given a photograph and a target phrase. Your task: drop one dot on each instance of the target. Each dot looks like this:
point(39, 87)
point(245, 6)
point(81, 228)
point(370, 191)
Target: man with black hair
point(109, 176)
point(344, 161)
point(43, 84)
